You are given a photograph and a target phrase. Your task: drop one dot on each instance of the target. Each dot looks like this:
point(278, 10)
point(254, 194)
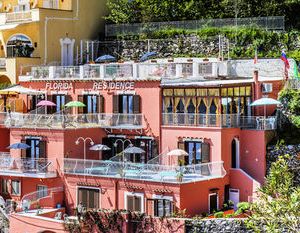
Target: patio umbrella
point(46, 103)
point(18, 146)
point(178, 153)
point(100, 147)
point(105, 58)
point(74, 104)
point(147, 56)
point(265, 102)
point(133, 150)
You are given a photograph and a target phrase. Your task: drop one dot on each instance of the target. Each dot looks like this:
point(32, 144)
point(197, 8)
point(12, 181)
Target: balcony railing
point(146, 172)
point(60, 121)
point(23, 167)
point(219, 121)
point(18, 16)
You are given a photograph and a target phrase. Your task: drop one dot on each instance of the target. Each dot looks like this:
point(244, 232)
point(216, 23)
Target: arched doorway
point(235, 153)
point(67, 51)
point(19, 46)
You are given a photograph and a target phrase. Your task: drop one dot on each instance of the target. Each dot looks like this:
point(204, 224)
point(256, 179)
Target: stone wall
point(217, 226)
point(294, 161)
point(180, 45)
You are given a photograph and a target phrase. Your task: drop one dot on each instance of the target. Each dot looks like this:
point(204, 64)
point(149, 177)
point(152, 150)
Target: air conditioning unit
point(267, 87)
point(223, 69)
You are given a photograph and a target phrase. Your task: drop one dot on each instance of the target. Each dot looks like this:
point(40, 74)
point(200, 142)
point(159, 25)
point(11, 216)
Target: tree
point(278, 204)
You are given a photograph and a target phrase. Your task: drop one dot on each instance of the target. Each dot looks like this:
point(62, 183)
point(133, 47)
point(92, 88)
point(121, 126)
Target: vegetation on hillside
point(134, 11)
point(277, 207)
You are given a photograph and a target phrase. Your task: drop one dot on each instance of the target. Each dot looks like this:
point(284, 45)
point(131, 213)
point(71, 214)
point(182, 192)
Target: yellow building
point(35, 32)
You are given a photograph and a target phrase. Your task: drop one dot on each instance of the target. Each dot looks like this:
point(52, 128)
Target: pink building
point(157, 107)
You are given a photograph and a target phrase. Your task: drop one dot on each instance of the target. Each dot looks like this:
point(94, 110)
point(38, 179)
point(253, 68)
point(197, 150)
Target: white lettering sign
point(59, 86)
point(113, 86)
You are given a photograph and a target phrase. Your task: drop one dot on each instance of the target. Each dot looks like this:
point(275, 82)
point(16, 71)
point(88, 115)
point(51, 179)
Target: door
point(60, 101)
point(235, 153)
point(67, 51)
point(234, 196)
point(213, 202)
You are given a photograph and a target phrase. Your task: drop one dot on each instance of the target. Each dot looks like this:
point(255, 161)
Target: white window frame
point(16, 194)
point(213, 194)
point(89, 187)
point(141, 195)
point(160, 197)
point(37, 189)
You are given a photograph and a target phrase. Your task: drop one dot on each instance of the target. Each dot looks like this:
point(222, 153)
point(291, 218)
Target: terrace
point(145, 172)
point(171, 71)
point(219, 121)
point(25, 167)
point(68, 121)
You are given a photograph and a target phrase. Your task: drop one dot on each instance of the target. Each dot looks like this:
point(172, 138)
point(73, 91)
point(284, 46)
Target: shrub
point(219, 214)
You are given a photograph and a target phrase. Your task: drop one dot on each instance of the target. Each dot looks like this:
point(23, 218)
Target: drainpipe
point(116, 195)
point(47, 19)
point(257, 88)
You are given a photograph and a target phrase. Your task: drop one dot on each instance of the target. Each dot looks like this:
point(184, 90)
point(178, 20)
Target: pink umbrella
point(46, 103)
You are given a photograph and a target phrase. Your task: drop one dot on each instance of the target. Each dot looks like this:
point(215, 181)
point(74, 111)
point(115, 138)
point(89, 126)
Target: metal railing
point(26, 166)
point(66, 72)
point(268, 23)
point(18, 16)
point(148, 172)
point(37, 195)
point(61, 121)
point(220, 121)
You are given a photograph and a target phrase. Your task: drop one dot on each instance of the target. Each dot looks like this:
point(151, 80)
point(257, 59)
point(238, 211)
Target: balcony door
point(67, 51)
point(37, 148)
point(198, 152)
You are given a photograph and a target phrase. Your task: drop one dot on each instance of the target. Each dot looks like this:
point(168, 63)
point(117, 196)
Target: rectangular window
point(162, 207)
point(89, 198)
point(42, 191)
point(199, 152)
point(134, 203)
point(4, 186)
point(37, 148)
point(15, 187)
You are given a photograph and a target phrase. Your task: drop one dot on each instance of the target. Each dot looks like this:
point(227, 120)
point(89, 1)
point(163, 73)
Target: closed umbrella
point(19, 146)
point(100, 147)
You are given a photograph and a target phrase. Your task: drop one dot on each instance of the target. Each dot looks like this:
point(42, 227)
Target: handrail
point(35, 196)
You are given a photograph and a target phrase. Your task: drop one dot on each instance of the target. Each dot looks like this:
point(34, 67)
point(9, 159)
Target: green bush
point(242, 207)
point(219, 214)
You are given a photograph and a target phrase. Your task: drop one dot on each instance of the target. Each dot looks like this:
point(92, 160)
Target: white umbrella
point(100, 147)
point(178, 153)
point(265, 102)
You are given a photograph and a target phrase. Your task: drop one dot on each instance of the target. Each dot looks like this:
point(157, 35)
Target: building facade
point(200, 106)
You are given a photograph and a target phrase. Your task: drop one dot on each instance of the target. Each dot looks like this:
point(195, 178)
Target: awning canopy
point(14, 90)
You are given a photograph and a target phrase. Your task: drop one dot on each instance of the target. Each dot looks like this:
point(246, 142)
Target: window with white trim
point(162, 207)
point(15, 187)
point(42, 191)
point(134, 202)
point(4, 186)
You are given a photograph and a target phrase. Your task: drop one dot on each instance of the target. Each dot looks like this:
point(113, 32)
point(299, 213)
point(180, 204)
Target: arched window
point(19, 46)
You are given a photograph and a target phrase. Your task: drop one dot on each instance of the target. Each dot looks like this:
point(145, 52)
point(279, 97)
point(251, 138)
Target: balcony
point(219, 121)
point(20, 167)
point(19, 17)
point(145, 172)
point(59, 121)
point(115, 70)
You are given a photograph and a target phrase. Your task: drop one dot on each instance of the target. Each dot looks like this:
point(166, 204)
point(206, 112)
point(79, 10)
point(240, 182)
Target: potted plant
point(179, 176)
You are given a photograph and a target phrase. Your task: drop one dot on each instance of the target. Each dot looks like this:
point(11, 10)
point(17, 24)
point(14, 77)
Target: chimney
point(255, 76)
